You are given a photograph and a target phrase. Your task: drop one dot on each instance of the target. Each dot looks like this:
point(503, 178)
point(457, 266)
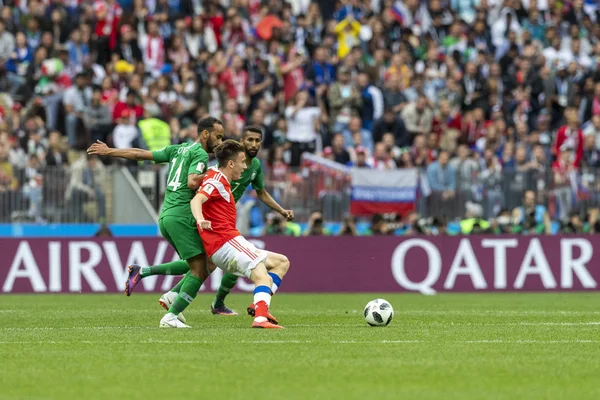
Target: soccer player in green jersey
point(251, 140)
point(187, 166)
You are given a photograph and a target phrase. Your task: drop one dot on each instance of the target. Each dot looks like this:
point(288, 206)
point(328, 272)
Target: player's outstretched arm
point(269, 201)
point(101, 149)
point(196, 206)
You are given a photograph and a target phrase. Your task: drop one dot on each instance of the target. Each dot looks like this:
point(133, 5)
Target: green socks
point(227, 283)
point(173, 268)
point(177, 287)
point(188, 292)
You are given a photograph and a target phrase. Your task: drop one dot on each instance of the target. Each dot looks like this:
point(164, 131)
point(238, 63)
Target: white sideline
point(354, 325)
point(314, 342)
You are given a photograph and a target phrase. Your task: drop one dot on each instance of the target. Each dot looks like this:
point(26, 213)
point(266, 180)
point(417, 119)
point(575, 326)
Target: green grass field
point(481, 346)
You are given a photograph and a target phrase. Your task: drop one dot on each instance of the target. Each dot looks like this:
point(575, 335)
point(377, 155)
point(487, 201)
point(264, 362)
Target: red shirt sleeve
point(208, 189)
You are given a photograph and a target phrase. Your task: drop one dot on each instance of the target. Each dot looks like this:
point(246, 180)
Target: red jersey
point(107, 26)
point(236, 83)
point(219, 209)
point(567, 137)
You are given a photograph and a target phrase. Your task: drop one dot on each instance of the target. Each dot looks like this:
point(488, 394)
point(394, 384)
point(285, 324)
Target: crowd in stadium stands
point(489, 98)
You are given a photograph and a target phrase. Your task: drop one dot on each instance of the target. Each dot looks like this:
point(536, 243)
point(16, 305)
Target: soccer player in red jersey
point(214, 210)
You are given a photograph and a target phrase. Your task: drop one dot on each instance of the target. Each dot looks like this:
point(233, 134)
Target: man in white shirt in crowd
point(75, 100)
point(303, 122)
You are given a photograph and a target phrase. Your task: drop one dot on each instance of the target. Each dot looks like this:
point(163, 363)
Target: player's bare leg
point(277, 267)
point(189, 290)
point(262, 298)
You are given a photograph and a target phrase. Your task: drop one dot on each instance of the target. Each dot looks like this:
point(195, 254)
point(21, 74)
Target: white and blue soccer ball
point(379, 312)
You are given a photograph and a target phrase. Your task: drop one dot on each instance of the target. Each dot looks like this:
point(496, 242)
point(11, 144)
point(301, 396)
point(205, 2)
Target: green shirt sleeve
point(163, 155)
point(257, 183)
point(198, 162)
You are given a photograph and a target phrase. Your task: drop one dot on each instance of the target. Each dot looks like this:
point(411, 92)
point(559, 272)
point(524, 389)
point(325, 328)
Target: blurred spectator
point(345, 100)
point(17, 64)
point(361, 160)
point(126, 134)
point(263, 85)
point(473, 222)
point(593, 129)
point(75, 100)
point(199, 37)
point(276, 225)
point(108, 14)
point(156, 134)
point(570, 136)
point(491, 181)
point(321, 71)
point(391, 123)
point(378, 226)
point(97, 117)
point(87, 176)
point(315, 225)
point(559, 92)
point(531, 217)
point(355, 128)
point(474, 88)
point(574, 224)
point(347, 31)
point(372, 102)
point(564, 178)
point(502, 225)
point(8, 181)
point(349, 227)
point(442, 177)
point(213, 97)
point(591, 154)
point(293, 74)
point(132, 104)
point(128, 48)
point(32, 188)
point(56, 155)
point(7, 43)
point(78, 50)
point(337, 149)
point(235, 81)
point(302, 121)
point(418, 117)
point(382, 158)
point(396, 152)
point(467, 171)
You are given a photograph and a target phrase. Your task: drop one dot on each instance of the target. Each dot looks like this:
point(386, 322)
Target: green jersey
point(184, 159)
point(252, 175)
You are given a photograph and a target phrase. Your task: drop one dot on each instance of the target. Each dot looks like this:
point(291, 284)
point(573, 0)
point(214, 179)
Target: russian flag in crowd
point(397, 14)
point(381, 192)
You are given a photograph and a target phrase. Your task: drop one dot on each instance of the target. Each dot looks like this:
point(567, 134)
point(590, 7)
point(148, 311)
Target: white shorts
point(239, 257)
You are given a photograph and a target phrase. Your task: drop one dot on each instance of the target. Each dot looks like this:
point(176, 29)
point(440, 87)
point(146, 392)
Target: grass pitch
point(478, 346)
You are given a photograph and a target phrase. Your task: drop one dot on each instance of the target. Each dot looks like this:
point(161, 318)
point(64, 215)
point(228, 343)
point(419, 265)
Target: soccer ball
point(378, 312)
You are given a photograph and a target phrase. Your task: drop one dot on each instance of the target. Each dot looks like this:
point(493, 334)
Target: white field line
point(354, 325)
point(575, 341)
point(340, 312)
point(291, 312)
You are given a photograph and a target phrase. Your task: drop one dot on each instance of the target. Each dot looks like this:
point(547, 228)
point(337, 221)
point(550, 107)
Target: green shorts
point(182, 234)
